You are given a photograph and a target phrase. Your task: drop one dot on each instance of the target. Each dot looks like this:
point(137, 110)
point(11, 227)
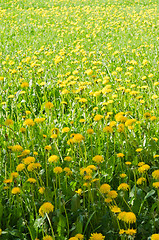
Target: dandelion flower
point(29, 122)
point(49, 105)
point(9, 122)
point(20, 167)
point(65, 130)
point(31, 180)
point(53, 159)
point(98, 159)
point(90, 131)
point(155, 236)
point(130, 231)
point(47, 237)
point(143, 168)
point(17, 148)
point(112, 194)
point(155, 174)
point(108, 129)
point(41, 190)
point(47, 207)
point(124, 187)
point(57, 170)
point(48, 147)
point(141, 180)
point(78, 138)
point(68, 159)
point(120, 155)
point(156, 185)
point(79, 236)
point(16, 190)
point(98, 117)
point(96, 236)
point(104, 188)
point(115, 209)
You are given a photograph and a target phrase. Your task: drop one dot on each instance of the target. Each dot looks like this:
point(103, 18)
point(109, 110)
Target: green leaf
point(75, 203)
point(149, 194)
point(1, 210)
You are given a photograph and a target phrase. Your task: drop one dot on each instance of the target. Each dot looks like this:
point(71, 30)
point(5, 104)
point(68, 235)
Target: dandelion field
point(79, 128)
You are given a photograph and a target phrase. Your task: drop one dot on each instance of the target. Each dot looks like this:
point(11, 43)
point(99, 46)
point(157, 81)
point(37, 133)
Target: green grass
point(97, 63)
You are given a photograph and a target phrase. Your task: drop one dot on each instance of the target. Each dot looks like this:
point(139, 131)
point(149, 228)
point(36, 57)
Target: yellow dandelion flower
point(104, 188)
point(20, 167)
point(65, 130)
point(47, 237)
point(120, 128)
point(98, 159)
point(29, 122)
point(24, 85)
point(53, 159)
point(48, 147)
point(47, 207)
point(96, 236)
point(122, 231)
point(39, 120)
point(123, 175)
point(31, 180)
point(115, 209)
point(124, 187)
point(49, 105)
point(41, 190)
point(68, 159)
point(143, 168)
point(108, 129)
point(79, 236)
point(22, 130)
point(9, 122)
point(28, 160)
point(141, 164)
point(7, 181)
point(155, 236)
point(14, 175)
point(108, 200)
point(90, 131)
point(17, 148)
point(139, 149)
point(141, 180)
point(156, 185)
point(112, 194)
point(120, 155)
point(98, 117)
point(79, 191)
point(130, 231)
point(78, 138)
point(147, 115)
point(155, 174)
point(16, 190)
point(57, 170)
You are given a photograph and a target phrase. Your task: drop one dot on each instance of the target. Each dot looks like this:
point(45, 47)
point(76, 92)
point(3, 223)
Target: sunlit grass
point(79, 120)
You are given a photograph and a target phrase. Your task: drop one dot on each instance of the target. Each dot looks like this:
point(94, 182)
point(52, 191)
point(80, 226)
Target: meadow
point(79, 130)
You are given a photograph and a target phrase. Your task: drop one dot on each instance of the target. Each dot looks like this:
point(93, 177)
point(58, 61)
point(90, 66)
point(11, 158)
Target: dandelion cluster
point(79, 119)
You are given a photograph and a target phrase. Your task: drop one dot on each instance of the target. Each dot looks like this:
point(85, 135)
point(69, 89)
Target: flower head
point(98, 159)
point(57, 170)
point(155, 236)
point(47, 207)
point(16, 190)
point(104, 188)
point(29, 122)
point(155, 174)
point(124, 187)
point(96, 236)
